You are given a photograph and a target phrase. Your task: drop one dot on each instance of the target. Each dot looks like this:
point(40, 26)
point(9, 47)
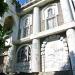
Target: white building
point(43, 37)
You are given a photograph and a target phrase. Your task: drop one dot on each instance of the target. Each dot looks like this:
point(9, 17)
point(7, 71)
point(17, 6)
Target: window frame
point(18, 54)
point(45, 17)
point(26, 27)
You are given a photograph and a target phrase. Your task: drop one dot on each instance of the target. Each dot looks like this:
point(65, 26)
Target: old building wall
point(55, 43)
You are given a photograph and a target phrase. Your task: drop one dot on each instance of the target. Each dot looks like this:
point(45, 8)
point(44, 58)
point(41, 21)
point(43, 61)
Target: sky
point(22, 1)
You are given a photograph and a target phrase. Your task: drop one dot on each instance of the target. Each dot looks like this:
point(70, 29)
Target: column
point(70, 33)
point(36, 42)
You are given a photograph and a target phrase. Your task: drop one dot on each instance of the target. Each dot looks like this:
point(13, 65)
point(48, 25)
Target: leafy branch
point(3, 7)
point(3, 36)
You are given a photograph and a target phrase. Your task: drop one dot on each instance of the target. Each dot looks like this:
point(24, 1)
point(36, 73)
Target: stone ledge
point(42, 34)
point(68, 72)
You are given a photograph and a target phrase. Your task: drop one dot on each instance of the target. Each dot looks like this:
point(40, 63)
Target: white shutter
point(46, 13)
point(56, 13)
point(43, 14)
point(56, 9)
point(53, 10)
point(30, 19)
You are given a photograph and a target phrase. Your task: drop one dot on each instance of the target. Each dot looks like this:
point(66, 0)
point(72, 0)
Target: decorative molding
point(48, 39)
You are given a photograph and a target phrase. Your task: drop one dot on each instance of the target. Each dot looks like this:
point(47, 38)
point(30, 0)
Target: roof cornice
point(28, 7)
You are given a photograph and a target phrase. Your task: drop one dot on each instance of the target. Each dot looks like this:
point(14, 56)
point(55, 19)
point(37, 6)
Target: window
point(23, 54)
point(51, 13)
point(27, 30)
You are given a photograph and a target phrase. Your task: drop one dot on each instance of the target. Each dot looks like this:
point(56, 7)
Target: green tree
point(3, 34)
point(3, 7)
point(3, 37)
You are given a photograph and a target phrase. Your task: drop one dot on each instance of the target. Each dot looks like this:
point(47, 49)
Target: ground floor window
point(23, 54)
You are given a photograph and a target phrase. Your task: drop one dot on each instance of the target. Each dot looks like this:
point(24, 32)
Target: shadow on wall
point(2, 73)
point(66, 72)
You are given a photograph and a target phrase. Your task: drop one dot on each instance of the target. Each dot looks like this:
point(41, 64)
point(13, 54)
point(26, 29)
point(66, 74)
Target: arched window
point(50, 14)
point(23, 54)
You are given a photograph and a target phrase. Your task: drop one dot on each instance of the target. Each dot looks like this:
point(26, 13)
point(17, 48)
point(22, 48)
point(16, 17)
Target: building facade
point(42, 41)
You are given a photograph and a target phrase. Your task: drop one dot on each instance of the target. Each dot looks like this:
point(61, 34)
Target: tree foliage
point(2, 40)
point(3, 33)
point(3, 36)
point(16, 3)
point(3, 7)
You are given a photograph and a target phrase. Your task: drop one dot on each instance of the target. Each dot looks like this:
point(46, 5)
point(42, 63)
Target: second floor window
point(27, 26)
point(51, 13)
